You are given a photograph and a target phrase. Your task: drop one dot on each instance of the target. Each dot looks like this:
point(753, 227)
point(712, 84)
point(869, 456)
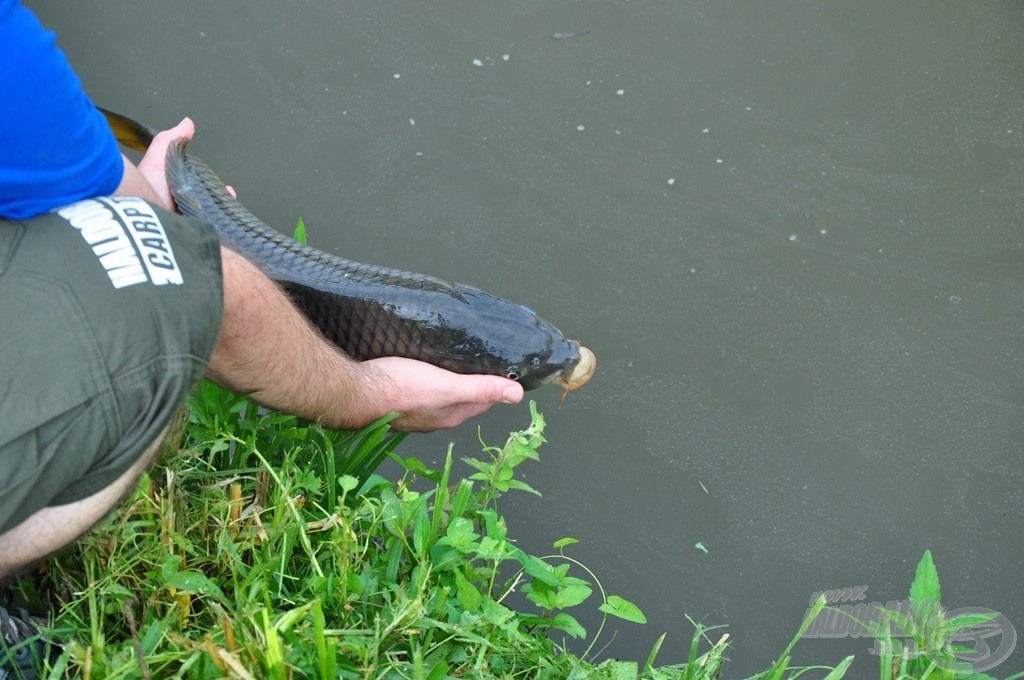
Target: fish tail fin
point(131, 133)
point(179, 181)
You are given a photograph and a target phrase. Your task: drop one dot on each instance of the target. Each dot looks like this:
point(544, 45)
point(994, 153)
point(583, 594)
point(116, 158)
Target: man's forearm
point(267, 348)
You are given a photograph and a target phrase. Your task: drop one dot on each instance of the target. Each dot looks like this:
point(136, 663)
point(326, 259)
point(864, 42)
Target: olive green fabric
point(109, 311)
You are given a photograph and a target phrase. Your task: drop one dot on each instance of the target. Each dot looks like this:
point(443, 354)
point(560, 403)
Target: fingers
point(493, 390)
point(431, 398)
point(185, 130)
point(153, 164)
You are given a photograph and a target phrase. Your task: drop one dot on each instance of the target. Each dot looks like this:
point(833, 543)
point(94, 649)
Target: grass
point(266, 547)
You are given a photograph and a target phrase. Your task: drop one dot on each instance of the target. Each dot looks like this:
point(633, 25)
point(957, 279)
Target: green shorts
point(110, 310)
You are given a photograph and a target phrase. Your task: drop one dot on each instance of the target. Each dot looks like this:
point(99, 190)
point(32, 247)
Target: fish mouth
point(580, 374)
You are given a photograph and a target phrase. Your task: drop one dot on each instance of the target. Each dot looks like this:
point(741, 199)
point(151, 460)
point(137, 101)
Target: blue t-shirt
point(55, 146)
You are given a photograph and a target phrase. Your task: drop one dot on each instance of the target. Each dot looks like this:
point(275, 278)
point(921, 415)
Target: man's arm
point(267, 348)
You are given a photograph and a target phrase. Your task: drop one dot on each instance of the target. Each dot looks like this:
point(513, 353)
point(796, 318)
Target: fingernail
point(510, 395)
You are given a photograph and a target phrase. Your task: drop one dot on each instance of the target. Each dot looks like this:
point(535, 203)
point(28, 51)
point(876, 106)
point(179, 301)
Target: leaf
point(700, 546)
point(300, 232)
point(189, 581)
point(421, 531)
point(460, 534)
point(624, 609)
point(613, 669)
point(951, 626)
point(840, 670)
point(572, 595)
point(568, 624)
point(562, 542)
point(416, 466)
point(540, 594)
point(439, 671)
point(522, 486)
point(654, 653)
point(536, 567)
point(347, 483)
point(970, 619)
point(469, 596)
point(479, 465)
point(926, 581)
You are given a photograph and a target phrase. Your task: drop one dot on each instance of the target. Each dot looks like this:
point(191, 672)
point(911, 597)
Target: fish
point(370, 311)
point(568, 34)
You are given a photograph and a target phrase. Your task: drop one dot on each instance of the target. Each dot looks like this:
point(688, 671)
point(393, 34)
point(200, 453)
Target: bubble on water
point(671, 181)
point(620, 92)
point(477, 62)
point(955, 299)
point(719, 161)
point(823, 231)
point(505, 57)
point(580, 128)
point(397, 76)
point(412, 122)
point(792, 237)
point(705, 130)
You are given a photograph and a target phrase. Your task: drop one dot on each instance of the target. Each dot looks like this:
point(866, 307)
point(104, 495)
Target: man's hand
point(153, 166)
point(431, 398)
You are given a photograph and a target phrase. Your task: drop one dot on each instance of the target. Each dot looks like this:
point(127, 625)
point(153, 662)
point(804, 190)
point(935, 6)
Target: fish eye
point(512, 374)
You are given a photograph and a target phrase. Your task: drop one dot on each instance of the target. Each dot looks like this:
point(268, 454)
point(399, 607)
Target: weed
point(267, 547)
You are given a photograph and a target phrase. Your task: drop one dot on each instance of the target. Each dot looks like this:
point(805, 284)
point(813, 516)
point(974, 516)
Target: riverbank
point(265, 547)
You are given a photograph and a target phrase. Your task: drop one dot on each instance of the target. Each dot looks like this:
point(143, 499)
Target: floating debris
point(700, 546)
point(620, 92)
point(568, 34)
point(698, 481)
point(671, 181)
point(397, 76)
point(477, 62)
point(580, 128)
point(505, 57)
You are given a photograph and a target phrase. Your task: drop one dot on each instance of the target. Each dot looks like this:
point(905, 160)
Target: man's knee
point(52, 528)
point(100, 361)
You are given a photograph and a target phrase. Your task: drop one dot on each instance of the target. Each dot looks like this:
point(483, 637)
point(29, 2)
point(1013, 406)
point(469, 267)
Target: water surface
point(791, 232)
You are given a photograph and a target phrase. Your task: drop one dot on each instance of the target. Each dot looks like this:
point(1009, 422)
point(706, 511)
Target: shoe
point(22, 647)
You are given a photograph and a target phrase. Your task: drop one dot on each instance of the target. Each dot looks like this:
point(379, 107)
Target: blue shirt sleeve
point(55, 146)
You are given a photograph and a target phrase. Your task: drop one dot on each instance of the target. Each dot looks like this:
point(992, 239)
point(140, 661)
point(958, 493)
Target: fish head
point(522, 346)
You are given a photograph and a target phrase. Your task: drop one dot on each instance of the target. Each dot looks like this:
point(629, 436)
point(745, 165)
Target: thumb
point(495, 390)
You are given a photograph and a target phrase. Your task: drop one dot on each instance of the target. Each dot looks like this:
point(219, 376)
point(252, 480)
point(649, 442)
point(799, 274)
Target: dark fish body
point(568, 34)
point(370, 311)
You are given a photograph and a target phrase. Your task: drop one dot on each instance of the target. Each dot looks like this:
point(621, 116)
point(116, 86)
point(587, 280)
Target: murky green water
point(791, 232)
